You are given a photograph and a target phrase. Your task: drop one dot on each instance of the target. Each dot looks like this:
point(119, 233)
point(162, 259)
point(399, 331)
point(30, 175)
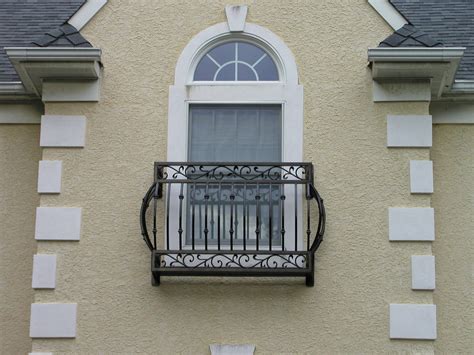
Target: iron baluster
point(231, 223)
point(180, 227)
point(168, 201)
point(296, 217)
point(282, 230)
point(206, 201)
point(244, 199)
point(308, 222)
point(155, 201)
point(219, 217)
point(270, 215)
point(193, 217)
point(257, 218)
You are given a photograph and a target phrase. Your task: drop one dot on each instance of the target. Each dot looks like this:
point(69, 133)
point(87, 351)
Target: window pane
point(267, 70)
point(205, 70)
point(226, 73)
point(245, 73)
point(235, 133)
point(219, 64)
point(223, 53)
point(249, 53)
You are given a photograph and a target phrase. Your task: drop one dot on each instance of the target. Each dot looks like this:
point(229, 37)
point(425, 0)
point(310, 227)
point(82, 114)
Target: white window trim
point(286, 92)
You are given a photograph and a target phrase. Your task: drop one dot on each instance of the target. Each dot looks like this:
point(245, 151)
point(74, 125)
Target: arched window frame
point(286, 92)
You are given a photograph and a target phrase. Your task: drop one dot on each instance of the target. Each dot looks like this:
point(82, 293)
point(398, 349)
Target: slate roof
point(449, 21)
point(23, 22)
point(409, 36)
point(63, 36)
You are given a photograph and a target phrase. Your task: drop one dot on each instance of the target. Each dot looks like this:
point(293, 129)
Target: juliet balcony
point(233, 219)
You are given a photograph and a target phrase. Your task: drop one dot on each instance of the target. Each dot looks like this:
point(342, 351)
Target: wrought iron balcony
point(232, 219)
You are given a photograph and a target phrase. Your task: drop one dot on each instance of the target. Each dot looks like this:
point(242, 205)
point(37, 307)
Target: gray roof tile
point(66, 35)
point(409, 36)
point(448, 21)
point(25, 21)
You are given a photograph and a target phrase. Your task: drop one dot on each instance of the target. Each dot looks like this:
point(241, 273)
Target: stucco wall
point(19, 155)
point(453, 157)
point(358, 271)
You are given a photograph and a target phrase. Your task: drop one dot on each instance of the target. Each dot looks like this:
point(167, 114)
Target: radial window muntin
point(228, 66)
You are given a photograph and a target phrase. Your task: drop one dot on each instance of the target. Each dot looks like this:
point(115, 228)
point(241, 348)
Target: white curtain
point(233, 133)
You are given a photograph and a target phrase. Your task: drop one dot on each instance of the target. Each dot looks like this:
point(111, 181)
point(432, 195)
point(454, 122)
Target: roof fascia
point(86, 13)
point(389, 13)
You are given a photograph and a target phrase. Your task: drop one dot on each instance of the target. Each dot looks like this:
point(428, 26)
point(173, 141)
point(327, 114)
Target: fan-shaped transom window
point(236, 61)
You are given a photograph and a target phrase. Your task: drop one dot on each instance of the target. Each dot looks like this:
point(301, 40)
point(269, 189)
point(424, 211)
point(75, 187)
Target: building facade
point(374, 96)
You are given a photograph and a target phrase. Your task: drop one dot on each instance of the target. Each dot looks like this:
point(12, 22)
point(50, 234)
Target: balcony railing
point(233, 219)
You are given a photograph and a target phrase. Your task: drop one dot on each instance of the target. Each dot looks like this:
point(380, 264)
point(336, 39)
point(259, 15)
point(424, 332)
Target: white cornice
point(389, 13)
point(36, 65)
point(86, 13)
point(439, 65)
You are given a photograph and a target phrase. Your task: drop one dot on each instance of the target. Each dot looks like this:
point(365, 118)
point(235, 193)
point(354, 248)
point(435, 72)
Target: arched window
point(236, 61)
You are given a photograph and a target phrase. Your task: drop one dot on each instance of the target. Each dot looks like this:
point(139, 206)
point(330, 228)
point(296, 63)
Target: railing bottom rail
point(232, 263)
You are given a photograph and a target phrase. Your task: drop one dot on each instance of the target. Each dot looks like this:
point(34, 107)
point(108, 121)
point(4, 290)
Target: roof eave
point(439, 65)
point(35, 65)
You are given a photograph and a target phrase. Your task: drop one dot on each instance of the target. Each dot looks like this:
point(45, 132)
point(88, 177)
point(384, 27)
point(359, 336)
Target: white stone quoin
point(409, 131)
point(63, 131)
point(58, 223)
point(421, 176)
point(413, 321)
point(49, 176)
point(423, 275)
point(53, 320)
point(224, 349)
point(411, 224)
point(44, 271)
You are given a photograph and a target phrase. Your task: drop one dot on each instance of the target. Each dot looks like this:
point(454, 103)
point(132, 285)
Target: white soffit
point(423, 275)
point(44, 271)
point(409, 131)
point(411, 224)
point(413, 321)
point(236, 15)
point(63, 131)
point(53, 320)
point(86, 13)
point(421, 176)
point(58, 223)
point(49, 176)
point(389, 13)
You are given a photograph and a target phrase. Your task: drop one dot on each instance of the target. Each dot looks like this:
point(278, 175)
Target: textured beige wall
point(453, 200)
point(358, 271)
point(19, 155)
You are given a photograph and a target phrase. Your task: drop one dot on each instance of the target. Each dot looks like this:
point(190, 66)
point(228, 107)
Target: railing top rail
point(234, 172)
